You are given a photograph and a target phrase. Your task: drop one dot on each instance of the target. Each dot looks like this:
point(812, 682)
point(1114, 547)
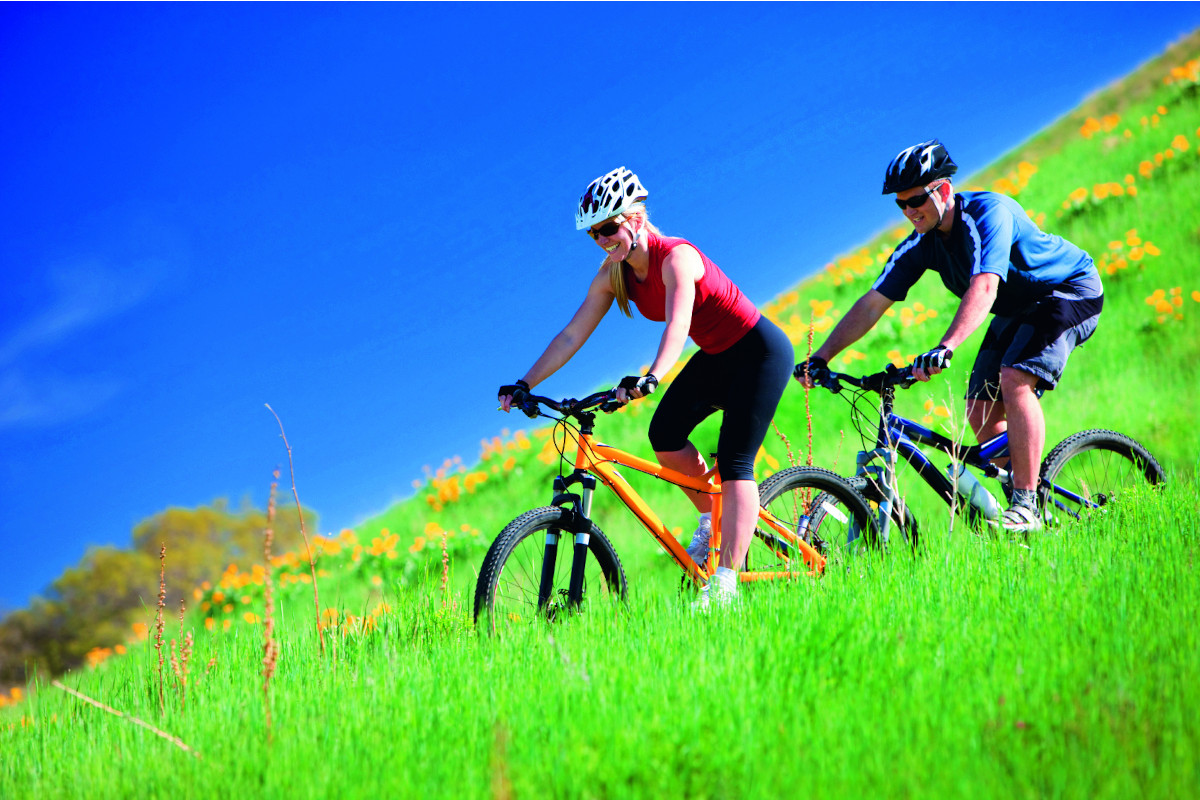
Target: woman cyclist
point(742, 367)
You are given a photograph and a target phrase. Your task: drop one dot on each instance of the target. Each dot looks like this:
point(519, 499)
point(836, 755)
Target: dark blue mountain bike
point(1081, 475)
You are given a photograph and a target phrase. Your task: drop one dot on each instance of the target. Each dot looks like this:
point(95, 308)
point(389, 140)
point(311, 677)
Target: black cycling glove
point(939, 357)
point(817, 369)
point(512, 389)
point(646, 384)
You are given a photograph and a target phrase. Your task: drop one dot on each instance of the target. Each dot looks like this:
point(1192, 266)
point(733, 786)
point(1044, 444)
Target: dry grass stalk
point(175, 664)
point(158, 623)
point(179, 665)
point(172, 739)
point(501, 783)
point(186, 657)
point(270, 647)
point(959, 435)
point(445, 570)
point(312, 565)
point(807, 405)
point(806, 495)
point(786, 443)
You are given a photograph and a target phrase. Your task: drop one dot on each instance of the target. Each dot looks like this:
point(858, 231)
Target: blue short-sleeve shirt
point(992, 233)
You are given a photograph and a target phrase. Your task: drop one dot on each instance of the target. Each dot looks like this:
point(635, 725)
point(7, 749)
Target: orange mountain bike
point(527, 575)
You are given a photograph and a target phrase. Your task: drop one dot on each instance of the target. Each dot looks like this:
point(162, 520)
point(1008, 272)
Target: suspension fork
point(882, 476)
point(578, 509)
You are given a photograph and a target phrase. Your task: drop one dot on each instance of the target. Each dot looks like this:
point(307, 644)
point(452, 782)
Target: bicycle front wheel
point(537, 546)
point(820, 507)
point(1088, 470)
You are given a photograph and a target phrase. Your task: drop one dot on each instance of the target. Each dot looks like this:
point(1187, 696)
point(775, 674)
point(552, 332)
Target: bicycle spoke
point(1090, 470)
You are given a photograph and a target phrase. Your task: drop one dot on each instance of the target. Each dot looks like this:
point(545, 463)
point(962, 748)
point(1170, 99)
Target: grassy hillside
point(1120, 178)
point(980, 669)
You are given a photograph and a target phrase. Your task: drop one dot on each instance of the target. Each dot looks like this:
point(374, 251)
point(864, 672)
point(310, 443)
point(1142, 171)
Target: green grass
point(1070, 669)
point(980, 668)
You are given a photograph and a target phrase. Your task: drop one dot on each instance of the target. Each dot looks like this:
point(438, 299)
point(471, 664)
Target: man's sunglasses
point(607, 229)
point(918, 200)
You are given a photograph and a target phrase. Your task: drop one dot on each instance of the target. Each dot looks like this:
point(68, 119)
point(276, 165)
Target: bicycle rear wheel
point(820, 507)
point(1088, 470)
point(506, 593)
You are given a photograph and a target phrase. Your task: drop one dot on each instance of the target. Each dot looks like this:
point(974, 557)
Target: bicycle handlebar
point(528, 403)
point(892, 376)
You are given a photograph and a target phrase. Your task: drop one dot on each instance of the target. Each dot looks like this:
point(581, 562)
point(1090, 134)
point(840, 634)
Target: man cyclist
point(1044, 292)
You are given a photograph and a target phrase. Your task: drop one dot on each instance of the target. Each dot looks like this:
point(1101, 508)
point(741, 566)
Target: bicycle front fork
point(883, 478)
point(578, 507)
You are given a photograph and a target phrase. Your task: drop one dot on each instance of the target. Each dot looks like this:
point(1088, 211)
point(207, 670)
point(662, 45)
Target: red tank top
point(721, 314)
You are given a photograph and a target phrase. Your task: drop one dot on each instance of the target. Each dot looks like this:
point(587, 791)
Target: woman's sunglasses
point(607, 229)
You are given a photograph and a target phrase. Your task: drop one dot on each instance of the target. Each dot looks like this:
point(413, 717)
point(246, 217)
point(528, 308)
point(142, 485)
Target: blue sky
point(362, 214)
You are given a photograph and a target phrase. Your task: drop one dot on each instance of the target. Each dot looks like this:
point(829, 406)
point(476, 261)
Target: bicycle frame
point(898, 436)
point(596, 459)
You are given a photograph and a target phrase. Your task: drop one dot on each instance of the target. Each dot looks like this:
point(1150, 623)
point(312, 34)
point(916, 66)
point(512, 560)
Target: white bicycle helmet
point(608, 196)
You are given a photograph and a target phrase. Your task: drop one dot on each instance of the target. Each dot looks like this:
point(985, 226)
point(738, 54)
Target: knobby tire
point(1097, 466)
point(818, 505)
point(506, 593)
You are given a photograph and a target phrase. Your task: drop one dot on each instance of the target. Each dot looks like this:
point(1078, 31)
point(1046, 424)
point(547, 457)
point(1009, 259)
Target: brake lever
point(833, 385)
point(611, 405)
point(902, 377)
point(530, 409)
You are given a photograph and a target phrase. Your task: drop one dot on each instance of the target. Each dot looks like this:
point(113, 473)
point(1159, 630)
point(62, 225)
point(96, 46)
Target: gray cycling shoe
point(1020, 519)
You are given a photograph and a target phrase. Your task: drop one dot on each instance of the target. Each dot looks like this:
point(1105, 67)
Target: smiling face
point(925, 216)
point(617, 243)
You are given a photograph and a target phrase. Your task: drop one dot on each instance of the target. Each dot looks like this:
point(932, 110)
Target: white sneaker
point(720, 592)
point(698, 549)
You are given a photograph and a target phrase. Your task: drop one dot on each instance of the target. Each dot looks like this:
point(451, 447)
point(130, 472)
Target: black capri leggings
point(746, 381)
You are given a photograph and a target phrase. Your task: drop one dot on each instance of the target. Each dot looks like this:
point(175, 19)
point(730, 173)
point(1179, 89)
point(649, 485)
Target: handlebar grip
point(524, 401)
point(901, 377)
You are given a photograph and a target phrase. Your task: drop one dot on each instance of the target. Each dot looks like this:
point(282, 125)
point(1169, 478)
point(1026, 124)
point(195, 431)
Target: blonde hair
point(616, 272)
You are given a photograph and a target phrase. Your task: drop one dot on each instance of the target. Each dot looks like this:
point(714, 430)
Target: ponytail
point(616, 271)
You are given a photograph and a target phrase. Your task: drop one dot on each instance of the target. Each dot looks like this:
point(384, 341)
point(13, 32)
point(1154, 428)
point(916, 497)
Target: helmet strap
point(940, 204)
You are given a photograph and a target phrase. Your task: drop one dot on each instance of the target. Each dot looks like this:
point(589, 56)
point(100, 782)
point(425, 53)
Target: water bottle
point(972, 492)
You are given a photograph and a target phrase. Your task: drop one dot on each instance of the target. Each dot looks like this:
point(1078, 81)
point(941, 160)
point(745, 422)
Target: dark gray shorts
point(1038, 342)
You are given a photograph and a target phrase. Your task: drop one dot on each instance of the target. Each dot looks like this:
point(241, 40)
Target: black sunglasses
point(918, 200)
point(607, 229)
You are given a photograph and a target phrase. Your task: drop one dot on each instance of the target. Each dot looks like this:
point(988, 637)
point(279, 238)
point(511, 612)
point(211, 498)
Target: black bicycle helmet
point(919, 165)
